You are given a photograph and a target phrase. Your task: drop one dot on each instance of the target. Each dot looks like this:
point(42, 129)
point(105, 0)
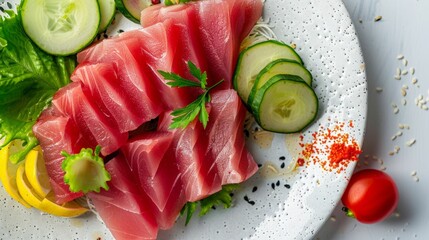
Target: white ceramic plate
point(327, 42)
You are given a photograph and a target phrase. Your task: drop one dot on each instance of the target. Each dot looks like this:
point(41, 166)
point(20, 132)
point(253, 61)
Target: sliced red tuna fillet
point(149, 50)
point(101, 83)
point(90, 121)
point(220, 27)
point(190, 144)
point(151, 160)
point(125, 208)
point(57, 133)
point(226, 144)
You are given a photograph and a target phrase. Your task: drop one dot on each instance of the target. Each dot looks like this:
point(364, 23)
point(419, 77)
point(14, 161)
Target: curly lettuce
point(29, 77)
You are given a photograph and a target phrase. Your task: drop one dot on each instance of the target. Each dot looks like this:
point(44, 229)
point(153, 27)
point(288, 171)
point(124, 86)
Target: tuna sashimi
point(101, 83)
point(125, 208)
point(151, 160)
point(90, 121)
point(225, 135)
point(57, 133)
point(220, 27)
point(150, 50)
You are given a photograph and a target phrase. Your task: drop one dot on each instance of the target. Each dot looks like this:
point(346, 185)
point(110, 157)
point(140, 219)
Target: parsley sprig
point(183, 116)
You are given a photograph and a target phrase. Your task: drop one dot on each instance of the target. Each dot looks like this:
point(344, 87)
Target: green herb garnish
point(183, 116)
point(223, 197)
point(173, 2)
point(29, 78)
point(85, 171)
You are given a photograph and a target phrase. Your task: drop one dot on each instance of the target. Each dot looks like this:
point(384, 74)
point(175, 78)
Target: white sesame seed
point(383, 168)
point(333, 219)
point(425, 107)
point(407, 126)
point(397, 148)
point(412, 71)
point(403, 92)
point(401, 126)
point(378, 18)
point(397, 214)
point(414, 80)
point(413, 173)
point(396, 110)
point(404, 101)
point(394, 137)
point(416, 179)
point(391, 153)
point(405, 72)
point(397, 77)
point(405, 86)
point(416, 101)
point(411, 142)
point(400, 57)
point(399, 133)
point(380, 161)
point(378, 89)
point(398, 72)
point(405, 62)
point(420, 97)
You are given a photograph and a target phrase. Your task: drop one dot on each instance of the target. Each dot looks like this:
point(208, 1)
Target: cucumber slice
point(60, 27)
point(285, 104)
point(107, 10)
point(132, 8)
point(280, 66)
point(254, 58)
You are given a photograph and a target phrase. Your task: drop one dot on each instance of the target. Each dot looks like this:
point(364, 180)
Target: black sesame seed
point(231, 194)
point(252, 203)
point(120, 31)
point(9, 5)
point(287, 186)
point(273, 186)
point(105, 35)
point(246, 198)
point(282, 165)
point(282, 158)
point(259, 165)
point(213, 207)
point(1, 9)
point(255, 188)
point(278, 183)
point(246, 133)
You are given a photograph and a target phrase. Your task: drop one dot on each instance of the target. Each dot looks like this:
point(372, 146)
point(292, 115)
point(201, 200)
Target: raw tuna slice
point(225, 135)
point(90, 121)
point(100, 82)
point(125, 208)
point(151, 160)
point(149, 50)
point(190, 145)
point(220, 27)
point(57, 133)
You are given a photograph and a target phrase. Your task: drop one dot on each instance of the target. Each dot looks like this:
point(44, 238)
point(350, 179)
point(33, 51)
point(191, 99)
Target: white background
point(404, 29)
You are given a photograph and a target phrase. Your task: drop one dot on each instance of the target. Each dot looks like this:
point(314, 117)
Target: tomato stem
point(348, 212)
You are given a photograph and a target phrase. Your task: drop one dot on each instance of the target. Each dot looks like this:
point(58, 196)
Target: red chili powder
point(332, 148)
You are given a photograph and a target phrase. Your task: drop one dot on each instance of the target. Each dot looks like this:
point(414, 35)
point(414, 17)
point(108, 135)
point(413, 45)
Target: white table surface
point(403, 30)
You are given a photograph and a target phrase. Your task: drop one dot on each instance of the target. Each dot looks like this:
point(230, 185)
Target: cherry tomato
point(371, 196)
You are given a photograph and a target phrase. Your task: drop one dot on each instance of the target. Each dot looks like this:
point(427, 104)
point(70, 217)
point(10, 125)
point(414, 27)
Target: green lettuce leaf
point(29, 77)
point(223, 197)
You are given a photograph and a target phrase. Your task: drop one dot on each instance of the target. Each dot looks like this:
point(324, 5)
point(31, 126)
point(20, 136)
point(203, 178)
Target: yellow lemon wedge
point(8, 172)
point(70, 209)
point(36, 173)
point(24, 188)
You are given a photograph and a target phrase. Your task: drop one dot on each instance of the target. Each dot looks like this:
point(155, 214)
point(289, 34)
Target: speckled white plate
point(268, 206)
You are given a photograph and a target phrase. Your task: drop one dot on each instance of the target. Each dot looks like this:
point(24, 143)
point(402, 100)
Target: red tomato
point(371, 196)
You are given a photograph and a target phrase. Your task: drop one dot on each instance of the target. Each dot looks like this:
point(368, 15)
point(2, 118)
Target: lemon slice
point(36, 173)
point(70, 209)
point(8, 172)
point(25, 189)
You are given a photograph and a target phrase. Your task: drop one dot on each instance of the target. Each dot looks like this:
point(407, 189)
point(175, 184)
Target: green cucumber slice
point(254, 58)
point(61, 27)
point(280, 66)
point(132, 9)
point(285, 104)
point(107, 10)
